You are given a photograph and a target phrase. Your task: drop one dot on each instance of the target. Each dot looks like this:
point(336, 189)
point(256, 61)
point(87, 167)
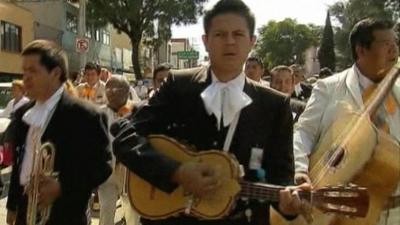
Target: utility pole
point(82, 29)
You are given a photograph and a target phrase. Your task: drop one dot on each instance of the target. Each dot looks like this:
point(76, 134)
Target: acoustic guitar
point(152, 203)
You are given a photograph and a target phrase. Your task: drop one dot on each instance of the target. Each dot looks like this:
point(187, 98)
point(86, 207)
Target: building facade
point(16, 30)
point(179, 45)
point(57, 20)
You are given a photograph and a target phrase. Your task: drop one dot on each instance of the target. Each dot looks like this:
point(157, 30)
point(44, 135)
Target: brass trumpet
point(43, 164)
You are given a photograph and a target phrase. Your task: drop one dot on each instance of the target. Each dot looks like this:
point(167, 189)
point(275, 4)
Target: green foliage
point(347, 14)
point(395, 6)
point(326, 53)
point(144, 18)
point(284, 42)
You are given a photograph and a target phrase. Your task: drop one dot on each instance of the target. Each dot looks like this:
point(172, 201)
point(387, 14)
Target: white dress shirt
point(225, 99)
point(37, 118)
point(390, 119)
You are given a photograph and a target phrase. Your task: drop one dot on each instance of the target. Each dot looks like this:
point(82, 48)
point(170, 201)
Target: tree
point(395, 6)
point(143, 18)
point(326, 53)
point(347, 14)
point(284, 42)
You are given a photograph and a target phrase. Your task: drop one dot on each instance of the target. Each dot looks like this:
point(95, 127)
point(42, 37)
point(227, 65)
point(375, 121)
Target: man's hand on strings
point(198, 178)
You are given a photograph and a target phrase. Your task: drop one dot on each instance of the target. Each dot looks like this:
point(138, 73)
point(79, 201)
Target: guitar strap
point(231, 132)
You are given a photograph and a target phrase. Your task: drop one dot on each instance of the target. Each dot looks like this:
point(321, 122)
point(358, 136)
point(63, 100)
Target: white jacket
point(321, 111)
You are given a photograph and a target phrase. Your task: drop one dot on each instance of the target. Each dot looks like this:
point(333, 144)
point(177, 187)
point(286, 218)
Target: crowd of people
point(270, 121)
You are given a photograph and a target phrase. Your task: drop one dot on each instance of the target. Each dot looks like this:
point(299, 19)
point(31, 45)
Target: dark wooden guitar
point(152, 203)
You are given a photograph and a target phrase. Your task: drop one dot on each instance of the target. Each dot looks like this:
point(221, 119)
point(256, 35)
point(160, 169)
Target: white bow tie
point(37, 115)
point(224, 100)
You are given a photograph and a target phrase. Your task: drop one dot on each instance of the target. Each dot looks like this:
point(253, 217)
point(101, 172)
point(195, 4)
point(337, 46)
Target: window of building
point(88, 33)
point(105, 37)
point(97, 35)
point(10, 37)
point(72, 23)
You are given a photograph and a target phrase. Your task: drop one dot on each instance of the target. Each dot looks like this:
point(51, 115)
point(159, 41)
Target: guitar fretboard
point(266, 192)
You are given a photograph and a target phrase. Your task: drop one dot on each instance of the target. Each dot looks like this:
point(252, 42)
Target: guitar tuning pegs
point(352, 185)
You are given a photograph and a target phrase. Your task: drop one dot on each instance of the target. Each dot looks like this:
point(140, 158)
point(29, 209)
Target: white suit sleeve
point(308, 129)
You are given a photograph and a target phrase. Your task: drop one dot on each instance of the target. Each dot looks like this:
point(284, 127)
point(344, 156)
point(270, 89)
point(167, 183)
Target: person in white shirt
point(119, 105)
point(141, 90)
point(375, 51)
point(17, 92)
point(254, 69)
point(77, 131)
point(93, 89)
point(160, 74)
point(105, 74)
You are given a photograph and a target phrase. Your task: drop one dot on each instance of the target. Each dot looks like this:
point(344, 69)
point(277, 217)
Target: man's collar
point(38, 114)
point(94, 86)
point(362, 79)
point(238, 81)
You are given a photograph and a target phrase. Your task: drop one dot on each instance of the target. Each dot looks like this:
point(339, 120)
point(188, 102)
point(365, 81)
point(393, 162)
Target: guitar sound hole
point(335, 157)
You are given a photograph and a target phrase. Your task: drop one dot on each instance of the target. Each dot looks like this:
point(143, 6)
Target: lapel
point(396, 90)
point(203, 77)
point(24, 126)
point(353, 85)
point(201, 80)
point(57, 117)
point(245, 114)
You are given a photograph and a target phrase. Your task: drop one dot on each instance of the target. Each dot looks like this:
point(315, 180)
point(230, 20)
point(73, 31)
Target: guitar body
point(152, 203)
point(370, 159)
point(381, 176)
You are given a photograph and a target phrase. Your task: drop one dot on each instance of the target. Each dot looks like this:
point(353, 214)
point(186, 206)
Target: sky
point(304, 11)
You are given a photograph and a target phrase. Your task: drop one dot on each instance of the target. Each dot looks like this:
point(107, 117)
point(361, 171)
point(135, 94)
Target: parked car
point(5, 94)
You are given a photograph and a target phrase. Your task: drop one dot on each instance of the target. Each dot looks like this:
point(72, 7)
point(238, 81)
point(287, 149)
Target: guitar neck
point(266, 192)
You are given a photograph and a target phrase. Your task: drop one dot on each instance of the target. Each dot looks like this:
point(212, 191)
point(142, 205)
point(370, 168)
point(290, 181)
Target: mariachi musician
point(374, 47)
point(200, 106)
point(77, 130)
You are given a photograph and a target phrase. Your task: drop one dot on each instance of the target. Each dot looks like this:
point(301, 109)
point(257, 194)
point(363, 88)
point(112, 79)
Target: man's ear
point(57, 72)
point(253, 40)
point(360, 50)
point(205, 41)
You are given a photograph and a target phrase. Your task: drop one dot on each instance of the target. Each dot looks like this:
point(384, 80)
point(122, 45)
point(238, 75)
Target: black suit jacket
point(305, 93)
point(177, 110)
point(79, 134)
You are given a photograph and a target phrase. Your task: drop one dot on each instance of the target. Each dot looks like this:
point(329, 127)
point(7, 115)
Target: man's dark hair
point(51, 56)
point(159, 68)
point(93, 66)
point(255, 59)
point(325, 72)
point(230, 6)
point(362, 33)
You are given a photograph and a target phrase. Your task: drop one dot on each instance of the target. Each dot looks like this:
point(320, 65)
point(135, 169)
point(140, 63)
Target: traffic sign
point(82, 45)
point(188, 54)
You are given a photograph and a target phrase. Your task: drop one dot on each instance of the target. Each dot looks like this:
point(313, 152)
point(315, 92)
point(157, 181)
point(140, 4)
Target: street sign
point(82, 45)
point(188, 54)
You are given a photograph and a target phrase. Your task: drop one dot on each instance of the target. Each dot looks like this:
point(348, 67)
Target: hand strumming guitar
point(200, 179)
point(301, 177)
